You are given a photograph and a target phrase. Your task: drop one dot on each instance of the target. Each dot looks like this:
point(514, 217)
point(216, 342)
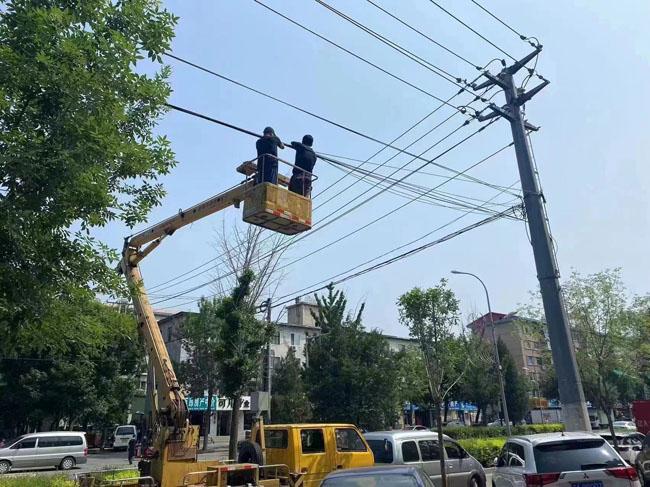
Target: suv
point(420, 449)
point(562, 459)
point(642, 461)
point(629, 444)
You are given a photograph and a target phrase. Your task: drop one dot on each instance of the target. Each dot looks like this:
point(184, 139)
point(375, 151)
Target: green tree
point(351, 374)
point(431, 316)
point(516, 386)
point(290, 403)
point(479, 384)
point(242, 339)
point(89, 381)
point(77, 143)
point(599, 313)
point(200, 337)
point(413, 386)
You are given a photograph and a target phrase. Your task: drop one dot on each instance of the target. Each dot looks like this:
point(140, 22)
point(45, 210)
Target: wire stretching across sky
point(503, 214)
point(361, 58)
point(363, 227)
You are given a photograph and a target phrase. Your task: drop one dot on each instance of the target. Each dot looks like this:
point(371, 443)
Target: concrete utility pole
point(497, 359)
point(574, 407)
point(269, 361)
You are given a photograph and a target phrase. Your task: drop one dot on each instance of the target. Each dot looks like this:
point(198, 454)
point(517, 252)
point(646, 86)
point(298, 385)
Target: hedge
point(485, 450)
point(463, 432)
point(37, 481)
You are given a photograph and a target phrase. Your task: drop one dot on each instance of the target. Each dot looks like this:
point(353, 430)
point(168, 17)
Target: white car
point(624, 425)
point(499, 422)
point(629, 444)
point(123, 434)
point(570, 459)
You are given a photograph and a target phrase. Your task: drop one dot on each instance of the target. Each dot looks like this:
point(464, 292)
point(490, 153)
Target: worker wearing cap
point(305, 161)
point(267, 166)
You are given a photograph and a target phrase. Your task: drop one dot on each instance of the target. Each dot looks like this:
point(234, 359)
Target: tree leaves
point(77, 143)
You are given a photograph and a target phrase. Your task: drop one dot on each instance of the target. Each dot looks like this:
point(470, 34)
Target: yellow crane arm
point(168, 407)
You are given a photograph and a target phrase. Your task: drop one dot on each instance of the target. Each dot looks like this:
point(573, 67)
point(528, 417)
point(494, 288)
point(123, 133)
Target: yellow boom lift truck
point(172, 459)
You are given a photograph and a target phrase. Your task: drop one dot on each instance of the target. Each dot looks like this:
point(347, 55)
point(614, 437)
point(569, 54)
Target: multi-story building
point(525, 339)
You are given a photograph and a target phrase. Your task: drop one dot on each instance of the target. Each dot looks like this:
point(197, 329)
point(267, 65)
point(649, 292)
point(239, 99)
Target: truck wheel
point(67, 463)
point(250, 452)
point(5, 466)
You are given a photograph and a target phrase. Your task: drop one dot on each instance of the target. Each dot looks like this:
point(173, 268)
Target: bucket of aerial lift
point(271, 206)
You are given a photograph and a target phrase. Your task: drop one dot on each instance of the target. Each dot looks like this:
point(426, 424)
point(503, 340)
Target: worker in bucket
point(305, 161)
point(267, 166)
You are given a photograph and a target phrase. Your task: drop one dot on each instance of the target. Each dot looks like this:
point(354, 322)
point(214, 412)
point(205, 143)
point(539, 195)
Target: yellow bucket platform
point(270, 206)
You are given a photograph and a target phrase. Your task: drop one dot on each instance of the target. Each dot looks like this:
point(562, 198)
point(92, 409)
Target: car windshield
point(13, 440)
point(124, 430)
point(382, 450)
point(372, 480)
point(575, 455)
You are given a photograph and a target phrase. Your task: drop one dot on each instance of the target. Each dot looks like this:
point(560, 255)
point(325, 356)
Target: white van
point(122, 435)
point(60, 449)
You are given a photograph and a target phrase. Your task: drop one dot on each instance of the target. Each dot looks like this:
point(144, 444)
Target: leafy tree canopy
point(77, 142)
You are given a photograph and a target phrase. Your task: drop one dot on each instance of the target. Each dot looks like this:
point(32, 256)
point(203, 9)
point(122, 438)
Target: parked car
point(499, 422)
point(400, 476)
point(629, 444)
point(420, 448)
point(456, 424)
point(625, 425)
point(415, 427)
point(60, 449)
point(122, 435)
point(642, 461)
point(569, 459)
point(311, 451)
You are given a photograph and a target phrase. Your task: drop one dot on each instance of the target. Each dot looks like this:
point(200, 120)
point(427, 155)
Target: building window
point(293, 339)
point(531, 360)
point(169, 333)
point(275, 339)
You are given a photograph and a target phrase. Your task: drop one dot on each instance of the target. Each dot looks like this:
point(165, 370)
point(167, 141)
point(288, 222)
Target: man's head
point(269, 132)
point(308, 140)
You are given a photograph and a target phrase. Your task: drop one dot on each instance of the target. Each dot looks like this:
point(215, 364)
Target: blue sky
point(591, 151)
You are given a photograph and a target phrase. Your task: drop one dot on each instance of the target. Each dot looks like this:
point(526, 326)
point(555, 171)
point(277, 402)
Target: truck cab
point(311, 451)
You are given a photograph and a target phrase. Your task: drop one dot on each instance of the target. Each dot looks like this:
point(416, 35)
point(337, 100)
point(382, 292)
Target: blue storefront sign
point(218, 403)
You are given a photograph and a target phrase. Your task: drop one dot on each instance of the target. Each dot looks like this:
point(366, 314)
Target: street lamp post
point(504, 405)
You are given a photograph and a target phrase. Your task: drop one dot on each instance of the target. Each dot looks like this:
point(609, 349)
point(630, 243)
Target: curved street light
point(504, 405)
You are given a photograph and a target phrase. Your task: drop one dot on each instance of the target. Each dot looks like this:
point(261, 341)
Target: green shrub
point(485, 450)
point(462, 432)
point(37, 481)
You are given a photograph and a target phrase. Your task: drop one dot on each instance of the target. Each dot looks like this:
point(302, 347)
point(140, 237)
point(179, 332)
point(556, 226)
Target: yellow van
point(311, 451)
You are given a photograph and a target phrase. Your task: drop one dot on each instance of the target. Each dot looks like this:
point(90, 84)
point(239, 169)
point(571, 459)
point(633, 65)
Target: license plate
point(594, 483)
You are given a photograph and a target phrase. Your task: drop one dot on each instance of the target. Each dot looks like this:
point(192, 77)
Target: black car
point(397, 476)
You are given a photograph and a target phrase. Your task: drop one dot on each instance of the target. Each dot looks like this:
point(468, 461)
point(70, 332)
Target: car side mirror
point(495, 462)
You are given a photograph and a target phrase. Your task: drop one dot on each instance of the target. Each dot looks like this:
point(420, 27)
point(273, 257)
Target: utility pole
point(574, 407)
point(269, 361)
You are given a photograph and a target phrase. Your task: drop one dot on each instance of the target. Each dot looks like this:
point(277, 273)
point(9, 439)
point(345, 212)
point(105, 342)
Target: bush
point(459, 433)
point(37, 481)
point(485, 450)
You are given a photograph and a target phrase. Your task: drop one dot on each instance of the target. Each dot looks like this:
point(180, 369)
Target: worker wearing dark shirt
point(267, 167)
point(305, 160)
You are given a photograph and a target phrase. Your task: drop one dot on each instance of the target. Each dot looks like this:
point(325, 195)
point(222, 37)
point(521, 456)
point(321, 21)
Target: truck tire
point(250, 452)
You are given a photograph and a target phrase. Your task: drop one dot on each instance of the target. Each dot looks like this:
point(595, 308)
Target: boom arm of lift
point(168, 408)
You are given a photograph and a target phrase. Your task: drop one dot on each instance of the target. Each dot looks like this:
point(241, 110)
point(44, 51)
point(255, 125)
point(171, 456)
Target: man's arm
point(279, 142)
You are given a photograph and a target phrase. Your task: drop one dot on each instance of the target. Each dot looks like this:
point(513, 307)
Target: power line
point(451, 222)
point(437, 70)
point(471, 29)
point(406, 24)
point(411, 252)
point(357, 230)
point(519, 34)
point(361, 58)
